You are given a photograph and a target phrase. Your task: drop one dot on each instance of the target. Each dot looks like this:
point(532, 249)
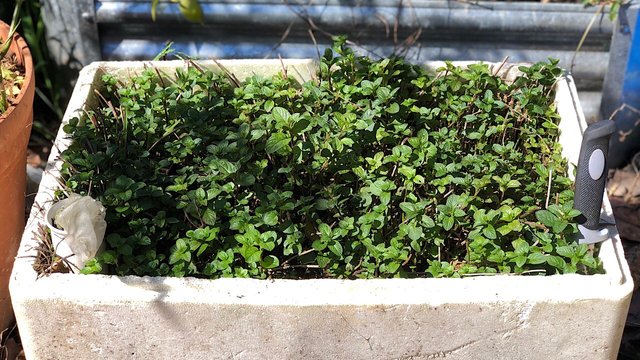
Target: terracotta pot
point(15, 128)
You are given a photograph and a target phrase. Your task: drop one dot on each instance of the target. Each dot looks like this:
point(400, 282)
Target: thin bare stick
point(298, 266)
point(195, 65)
point(584, 35)
point(284, 36)
point(396, 21)
point(313, 38)
point(475, 3)
point(231, 76)
point(408, 43)
point(284, 68)
point(526, 272)
point(546, 203)
point(623, 107)
point(311, 24)
point(286, 262)
point(385, 23)
point(506, 58)
point(534, 225)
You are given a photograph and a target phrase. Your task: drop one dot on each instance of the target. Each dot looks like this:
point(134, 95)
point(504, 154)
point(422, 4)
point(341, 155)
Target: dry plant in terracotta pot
point(16, 116)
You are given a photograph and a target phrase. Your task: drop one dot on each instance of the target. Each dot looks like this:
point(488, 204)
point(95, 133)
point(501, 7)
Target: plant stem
point(12, 29)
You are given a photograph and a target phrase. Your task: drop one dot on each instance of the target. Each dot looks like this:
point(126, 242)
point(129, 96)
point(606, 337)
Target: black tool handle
point(592, 172)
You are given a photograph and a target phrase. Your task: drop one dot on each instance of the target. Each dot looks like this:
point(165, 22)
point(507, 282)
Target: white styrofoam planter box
point(67, 316)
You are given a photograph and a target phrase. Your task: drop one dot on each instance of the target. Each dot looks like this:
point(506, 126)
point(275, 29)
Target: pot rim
point(20, 48)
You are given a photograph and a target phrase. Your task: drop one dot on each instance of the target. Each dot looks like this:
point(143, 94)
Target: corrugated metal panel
point(449, 30)
point(431, 14)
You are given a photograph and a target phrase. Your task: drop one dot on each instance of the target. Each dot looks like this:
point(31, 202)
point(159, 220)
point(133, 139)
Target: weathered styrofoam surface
point(66, 316)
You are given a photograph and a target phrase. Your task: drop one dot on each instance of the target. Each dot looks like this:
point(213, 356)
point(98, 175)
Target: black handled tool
point(591, 178)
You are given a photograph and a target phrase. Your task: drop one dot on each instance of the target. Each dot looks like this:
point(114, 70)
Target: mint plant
point(376, 168)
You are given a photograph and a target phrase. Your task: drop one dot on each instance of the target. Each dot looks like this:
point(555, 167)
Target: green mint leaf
point(209, 217)
point(537, 258)
point(566, 251)
point(556, 261)
point(447, 223)
point(281, 115)
point(277, 142)
point(547, 218)
point(270, 218)
point(521, 247)
point(270, 262)
point(489, 232)
point(336, 248)
point(414, 232)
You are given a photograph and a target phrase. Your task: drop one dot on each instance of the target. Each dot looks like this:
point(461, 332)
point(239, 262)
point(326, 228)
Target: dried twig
point(231, 76)
point(313, 38)
point(546, 203)
point(625, 106)
point(46, 261)
point(284, 36)
point(504, 61)
point(584, 35)
point(285, 264)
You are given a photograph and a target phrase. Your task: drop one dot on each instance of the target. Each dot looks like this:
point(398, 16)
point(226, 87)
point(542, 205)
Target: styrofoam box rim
point(616, 284)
